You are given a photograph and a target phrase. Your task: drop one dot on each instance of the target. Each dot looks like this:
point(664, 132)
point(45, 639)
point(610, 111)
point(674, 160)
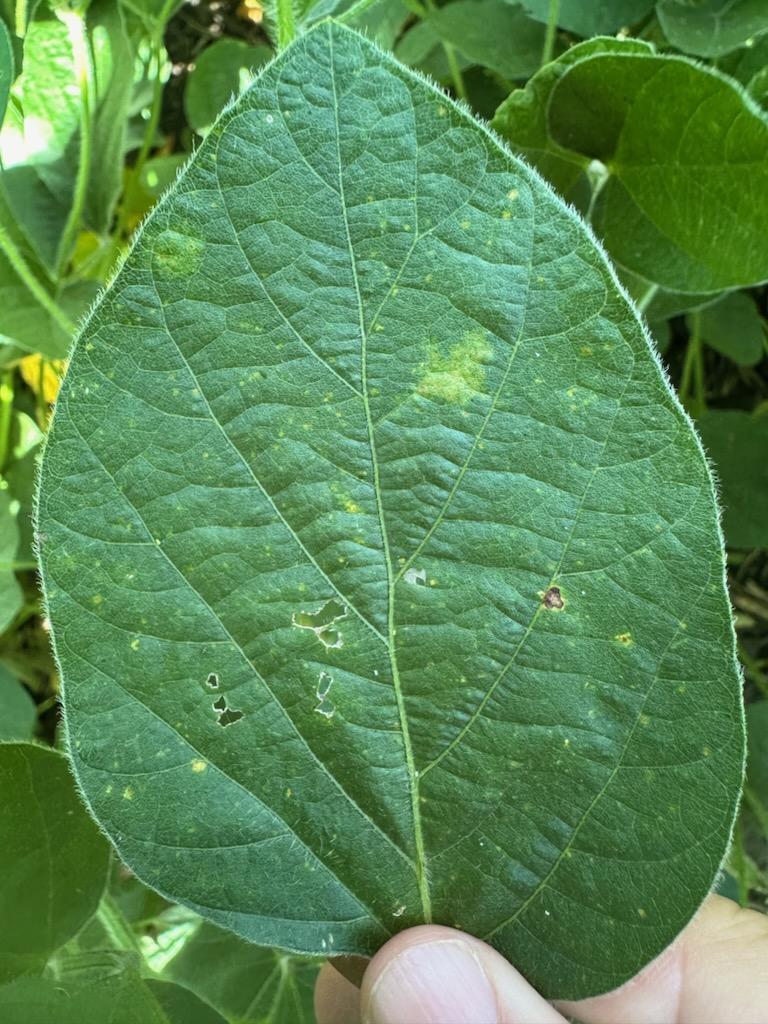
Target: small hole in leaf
point(322, 622)
point(416, 576)
point(226, 714)
point(553, 599)
point(212, 681)
point(324, 706)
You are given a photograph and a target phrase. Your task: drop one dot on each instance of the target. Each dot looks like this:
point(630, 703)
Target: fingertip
point(337, 1000)
point(437, 975)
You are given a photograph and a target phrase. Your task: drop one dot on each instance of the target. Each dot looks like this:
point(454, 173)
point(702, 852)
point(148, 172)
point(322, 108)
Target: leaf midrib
point(421, 863)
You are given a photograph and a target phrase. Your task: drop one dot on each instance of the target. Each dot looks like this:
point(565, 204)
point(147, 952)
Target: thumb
point(435, 975)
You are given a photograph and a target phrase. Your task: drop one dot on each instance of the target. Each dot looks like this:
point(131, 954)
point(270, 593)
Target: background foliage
point(101, 103)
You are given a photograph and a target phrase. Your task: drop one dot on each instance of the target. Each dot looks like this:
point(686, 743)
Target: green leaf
point(592, 17)
point(685, 206)
point(17, 709)
point(709, 28)
point(245, 982)
point(11, 597)
point(493, 33)
point(733, 327)
point(7, 68)
point(221, 71)
point(100, 987)
point(26, 324)
point(757, 748)
point(522, 117)
point(382, 546)
point(421, 48)
point(737, 443)
point(749, 65)
point(53, 860)
point(21, 473)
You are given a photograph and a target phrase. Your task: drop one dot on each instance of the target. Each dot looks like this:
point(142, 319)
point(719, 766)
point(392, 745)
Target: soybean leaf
point(749, 65)
point(709, 28)
point(592, 17)
point(686, 205)
point(522, 118)
point(53, 860)
point(17, 709)
point(737, 443)
point(494, 33)
point(733, 327)
point(422, 48)
point(30, 327)
point(221, 71)
point(99, 987)
point(376, 535)
point(10, 592)
point(245, 982)
point(38, 141)
point(7, 68)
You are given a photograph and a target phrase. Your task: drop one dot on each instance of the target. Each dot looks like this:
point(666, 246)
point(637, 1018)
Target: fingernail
point(433, 983)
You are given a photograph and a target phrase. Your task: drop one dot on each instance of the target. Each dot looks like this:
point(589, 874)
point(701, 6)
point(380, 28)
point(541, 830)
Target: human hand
point(716, 972)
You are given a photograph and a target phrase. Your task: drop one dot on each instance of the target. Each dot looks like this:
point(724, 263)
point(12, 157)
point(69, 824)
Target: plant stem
point(19, 264)
point(758, 808)
point(84, 73)
point(549, 37)
point(453, 65)
point(20, 18)
point(356, 10)
point(693, 370)
point(112, 920)
point(6, 410)
point(286, 23)
point(647, 298)
point(157, 57)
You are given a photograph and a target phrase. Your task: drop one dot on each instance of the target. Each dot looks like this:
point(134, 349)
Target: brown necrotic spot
point(553, 599)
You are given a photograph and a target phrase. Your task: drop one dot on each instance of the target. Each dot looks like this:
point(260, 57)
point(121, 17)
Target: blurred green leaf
point(522, 117)
point(221, 72)
point(737, 442)
point(7, 68)
point(246, 982)
point(21, 474)
point(97, 988)
point(17, 709)
point(592, 17)
point(422, 48)
point(53, 859)
point(38, 144)
point(757, 750)
point(686, 204)
point(493, 33)
point(733, 327)
point(709, 28)
point(11, 597)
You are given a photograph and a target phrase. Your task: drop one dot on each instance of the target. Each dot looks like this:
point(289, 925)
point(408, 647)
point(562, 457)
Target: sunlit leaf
point(382, 562)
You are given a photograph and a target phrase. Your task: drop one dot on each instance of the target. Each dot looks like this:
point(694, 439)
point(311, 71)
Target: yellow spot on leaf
point(459, 375)
point(624, 638)
point(199, 765)
point(128, 793)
